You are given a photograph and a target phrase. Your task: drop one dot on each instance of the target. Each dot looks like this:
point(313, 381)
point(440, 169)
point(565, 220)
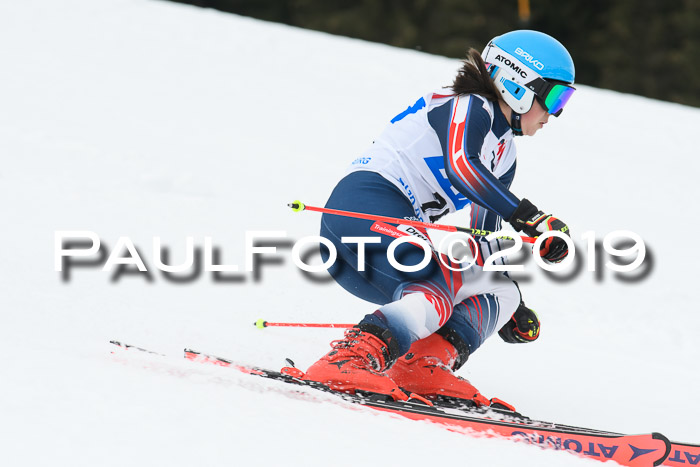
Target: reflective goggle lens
point(557, 97)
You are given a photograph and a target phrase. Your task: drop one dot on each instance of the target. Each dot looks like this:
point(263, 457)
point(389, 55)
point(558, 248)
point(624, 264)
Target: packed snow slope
point(143, 119)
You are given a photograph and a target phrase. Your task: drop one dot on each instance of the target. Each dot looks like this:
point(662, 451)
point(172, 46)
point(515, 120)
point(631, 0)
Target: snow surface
point(141, 118)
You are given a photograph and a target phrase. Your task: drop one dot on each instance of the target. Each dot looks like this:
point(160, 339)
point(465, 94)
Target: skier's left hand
point(524, 326)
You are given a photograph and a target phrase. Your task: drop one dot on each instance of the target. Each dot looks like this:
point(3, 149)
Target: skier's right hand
point(523, 326)
point(527, 218)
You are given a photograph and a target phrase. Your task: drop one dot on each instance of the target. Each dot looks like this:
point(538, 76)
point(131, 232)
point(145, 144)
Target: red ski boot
point(427, 370)
point(357, 362)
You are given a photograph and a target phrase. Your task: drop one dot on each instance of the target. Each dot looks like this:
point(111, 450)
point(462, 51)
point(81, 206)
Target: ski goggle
point(552, 96)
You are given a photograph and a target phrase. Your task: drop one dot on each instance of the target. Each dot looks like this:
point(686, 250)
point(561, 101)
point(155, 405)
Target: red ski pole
point(261, 323)
point(299, 206)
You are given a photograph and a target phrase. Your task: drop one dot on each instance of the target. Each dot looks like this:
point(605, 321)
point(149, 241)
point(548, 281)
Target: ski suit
point(440, 155)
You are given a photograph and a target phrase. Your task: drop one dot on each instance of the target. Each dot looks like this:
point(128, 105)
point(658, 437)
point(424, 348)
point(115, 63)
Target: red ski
point(630, 450)
point(683, 454)
point(650, 449)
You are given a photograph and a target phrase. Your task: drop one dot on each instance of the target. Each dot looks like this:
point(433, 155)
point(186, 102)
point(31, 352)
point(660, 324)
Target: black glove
point(533, 222)
point(524, 326)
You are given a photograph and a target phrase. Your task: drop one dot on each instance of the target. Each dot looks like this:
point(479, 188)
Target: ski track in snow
point(143, 118)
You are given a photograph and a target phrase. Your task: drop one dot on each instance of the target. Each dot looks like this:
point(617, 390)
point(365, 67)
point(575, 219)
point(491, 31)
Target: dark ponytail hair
point(473, 78)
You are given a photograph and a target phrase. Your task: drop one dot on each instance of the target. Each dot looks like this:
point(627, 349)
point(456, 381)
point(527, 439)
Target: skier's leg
point(474, 320)
point(415, 303)
point(370, 193)
point(485, 302)
point(428, 368)
point(420, 308)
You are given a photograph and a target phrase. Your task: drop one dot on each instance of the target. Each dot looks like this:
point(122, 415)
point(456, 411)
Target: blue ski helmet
point(527, 64)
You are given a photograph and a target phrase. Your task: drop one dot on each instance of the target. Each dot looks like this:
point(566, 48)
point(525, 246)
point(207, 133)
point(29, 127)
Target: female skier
point(449, 150)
